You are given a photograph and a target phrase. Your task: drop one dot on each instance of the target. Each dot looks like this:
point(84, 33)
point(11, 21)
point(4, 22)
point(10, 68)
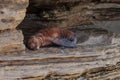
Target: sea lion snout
point(33, 43)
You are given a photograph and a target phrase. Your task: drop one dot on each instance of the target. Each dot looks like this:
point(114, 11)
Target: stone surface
point(96, 57)
point(73, 12)
point(12, 12)
point(11, 41)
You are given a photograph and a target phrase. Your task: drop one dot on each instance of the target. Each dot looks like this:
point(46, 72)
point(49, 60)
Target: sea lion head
point(33, 43)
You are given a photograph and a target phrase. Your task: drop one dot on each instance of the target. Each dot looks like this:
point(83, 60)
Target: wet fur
point(58, 36)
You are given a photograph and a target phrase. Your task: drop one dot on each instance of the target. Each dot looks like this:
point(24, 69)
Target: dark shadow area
point(36, 19)
point(29, 27)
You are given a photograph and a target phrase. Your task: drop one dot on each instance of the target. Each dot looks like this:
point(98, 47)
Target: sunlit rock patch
point(12, 12)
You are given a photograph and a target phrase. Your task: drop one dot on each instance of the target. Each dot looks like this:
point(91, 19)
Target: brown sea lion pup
point(59, 36)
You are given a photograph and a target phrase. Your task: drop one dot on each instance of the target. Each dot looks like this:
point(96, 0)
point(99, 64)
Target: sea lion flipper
point(65, 42)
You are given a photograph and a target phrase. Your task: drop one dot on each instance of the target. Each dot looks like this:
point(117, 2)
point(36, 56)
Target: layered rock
point(73, 12)
point(12, 12)
point(96, 57)
point(11, 41)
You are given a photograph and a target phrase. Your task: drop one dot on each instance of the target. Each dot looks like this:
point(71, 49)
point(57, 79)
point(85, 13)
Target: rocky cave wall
point(47, 13)
point(66, 13)
point(96, 57)
point(12, 12)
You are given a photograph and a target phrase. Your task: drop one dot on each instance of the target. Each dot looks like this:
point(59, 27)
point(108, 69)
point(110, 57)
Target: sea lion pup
point(58, 36)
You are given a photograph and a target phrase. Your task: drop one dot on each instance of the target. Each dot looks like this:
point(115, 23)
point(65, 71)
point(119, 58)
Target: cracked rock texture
point(67, 13)
point(12, 12)
point(96, 56)
point(11, 41)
